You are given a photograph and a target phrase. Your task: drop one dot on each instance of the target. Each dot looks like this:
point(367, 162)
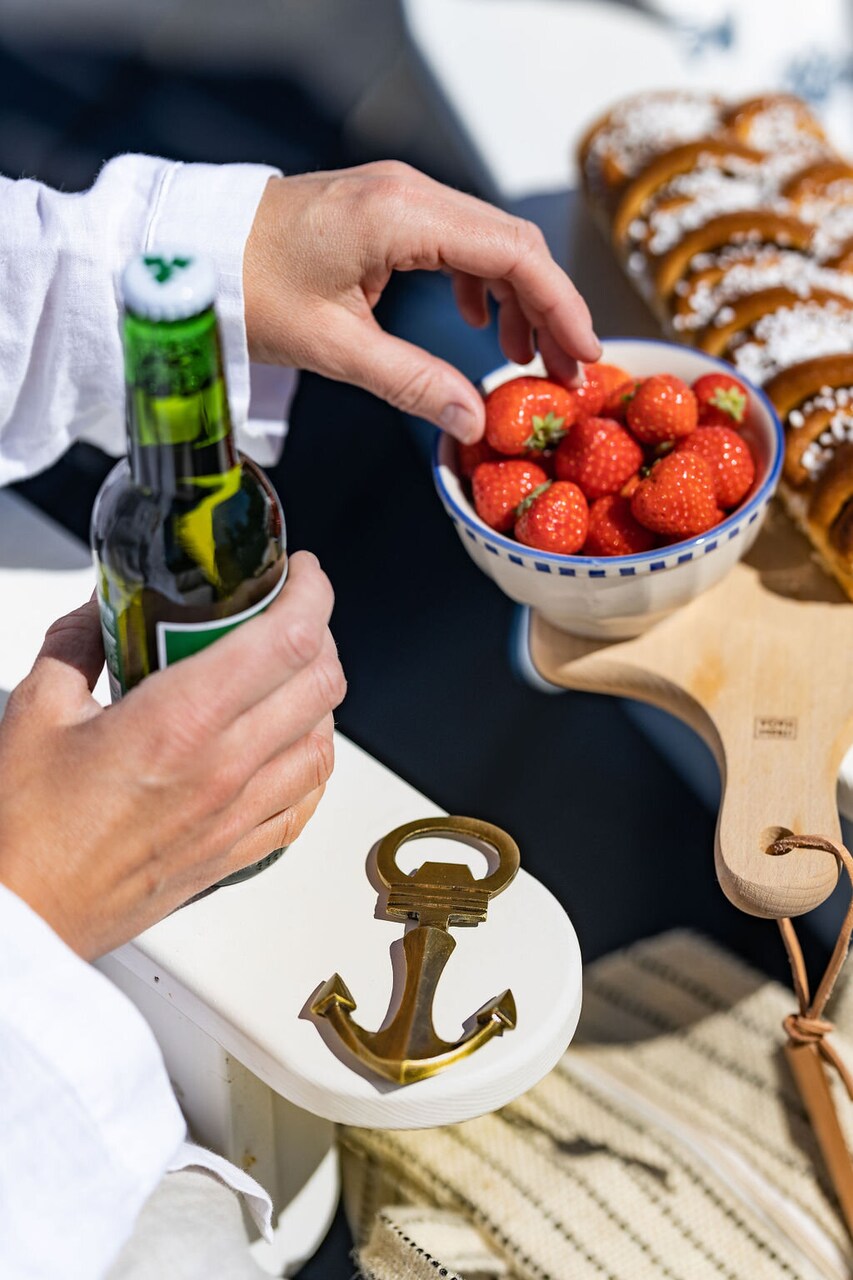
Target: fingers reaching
point(514, 331)
point(486, 250)
point(324, 246)
point(406, 376)
point(469, 236)
point(470, 294)
point(561, 367)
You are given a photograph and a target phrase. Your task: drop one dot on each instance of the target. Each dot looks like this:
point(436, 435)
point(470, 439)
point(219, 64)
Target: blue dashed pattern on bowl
point(601, 566)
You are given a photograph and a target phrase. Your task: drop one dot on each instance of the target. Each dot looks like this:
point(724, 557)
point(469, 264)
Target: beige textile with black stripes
point(669, 1141)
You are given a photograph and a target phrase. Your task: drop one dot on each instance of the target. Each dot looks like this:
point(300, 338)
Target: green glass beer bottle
point(187, 534)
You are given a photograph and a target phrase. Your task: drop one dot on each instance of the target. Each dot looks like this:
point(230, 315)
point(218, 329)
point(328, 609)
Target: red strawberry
point(616, 404)
point(499, 487)
point(729, 458)
point(598, 455)
point(677, 497)
point(631, 485)
point(470, 456)
point(599, 381)
point(528, 413)
point(589, 398)
point(663, 408)
point(554, 518)
point(544, 458)
point(613, 531)
point(722, 400)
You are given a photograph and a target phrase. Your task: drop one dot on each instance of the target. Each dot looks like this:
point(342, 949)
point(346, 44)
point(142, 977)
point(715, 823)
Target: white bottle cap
point(168, 284)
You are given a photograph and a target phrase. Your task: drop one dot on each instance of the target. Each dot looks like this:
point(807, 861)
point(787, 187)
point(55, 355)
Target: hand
point(111, 818)
point(323, 247)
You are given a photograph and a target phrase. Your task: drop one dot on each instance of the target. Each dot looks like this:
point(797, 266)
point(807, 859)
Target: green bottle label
point(176, 640)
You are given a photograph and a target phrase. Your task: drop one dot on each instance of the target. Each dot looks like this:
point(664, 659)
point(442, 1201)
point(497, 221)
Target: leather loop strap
point(809, 1025)
point(809, 1048)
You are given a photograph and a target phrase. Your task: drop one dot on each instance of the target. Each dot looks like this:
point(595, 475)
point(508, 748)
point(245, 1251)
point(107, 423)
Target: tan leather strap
point(809, 1050)
point(809, 1026)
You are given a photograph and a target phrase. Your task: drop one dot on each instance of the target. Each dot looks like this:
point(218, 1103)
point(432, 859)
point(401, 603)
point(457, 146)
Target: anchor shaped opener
point(438, 895)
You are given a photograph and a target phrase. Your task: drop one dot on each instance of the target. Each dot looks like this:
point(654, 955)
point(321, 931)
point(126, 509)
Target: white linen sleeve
point(88, 1120)
point(61, 256)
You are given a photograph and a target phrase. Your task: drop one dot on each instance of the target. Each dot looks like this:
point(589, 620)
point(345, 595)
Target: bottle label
point(176, 640)
point(112, 648)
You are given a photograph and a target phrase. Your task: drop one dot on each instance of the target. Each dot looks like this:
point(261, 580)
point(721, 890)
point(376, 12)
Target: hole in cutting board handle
point(768, 837)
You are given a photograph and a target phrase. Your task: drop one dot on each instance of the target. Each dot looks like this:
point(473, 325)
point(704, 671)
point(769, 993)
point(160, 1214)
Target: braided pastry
point(736, 225)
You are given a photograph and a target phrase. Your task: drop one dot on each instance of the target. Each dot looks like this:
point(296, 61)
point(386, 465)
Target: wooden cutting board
point(762, 667)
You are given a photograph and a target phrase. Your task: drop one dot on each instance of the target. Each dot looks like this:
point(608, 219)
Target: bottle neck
point(178, 421)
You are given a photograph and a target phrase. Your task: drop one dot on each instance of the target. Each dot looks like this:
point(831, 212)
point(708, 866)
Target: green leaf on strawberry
point(546, 431)
point(731, 400)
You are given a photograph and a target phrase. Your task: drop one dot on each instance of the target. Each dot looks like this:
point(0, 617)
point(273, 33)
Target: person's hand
point(110, 818)
point(323, 247)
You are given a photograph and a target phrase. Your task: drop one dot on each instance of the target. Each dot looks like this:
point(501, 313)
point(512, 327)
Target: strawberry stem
point(546, 431)
point(527, 503)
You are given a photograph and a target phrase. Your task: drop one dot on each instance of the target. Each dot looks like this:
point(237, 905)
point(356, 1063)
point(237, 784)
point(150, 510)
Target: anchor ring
point(509, 857)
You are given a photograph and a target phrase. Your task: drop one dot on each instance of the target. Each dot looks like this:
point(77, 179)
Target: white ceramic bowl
point(612, 597)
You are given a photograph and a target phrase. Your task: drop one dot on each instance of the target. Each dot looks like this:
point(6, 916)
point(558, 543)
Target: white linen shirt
point(88, 1120)
point(61, 258)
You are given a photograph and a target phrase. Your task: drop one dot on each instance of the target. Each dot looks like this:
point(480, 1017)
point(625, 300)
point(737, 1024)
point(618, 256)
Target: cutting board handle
point(776, 781)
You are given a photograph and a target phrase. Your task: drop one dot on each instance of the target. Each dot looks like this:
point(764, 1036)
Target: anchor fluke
point(334, 994)
point(502, 1012)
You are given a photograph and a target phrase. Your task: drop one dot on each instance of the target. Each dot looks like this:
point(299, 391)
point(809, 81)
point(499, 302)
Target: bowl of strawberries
point(608, 505)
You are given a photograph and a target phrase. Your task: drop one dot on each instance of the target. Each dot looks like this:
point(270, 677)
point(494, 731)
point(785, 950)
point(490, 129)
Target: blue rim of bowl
point(760, 498)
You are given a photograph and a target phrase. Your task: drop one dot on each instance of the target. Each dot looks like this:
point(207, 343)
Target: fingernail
point(460, 422)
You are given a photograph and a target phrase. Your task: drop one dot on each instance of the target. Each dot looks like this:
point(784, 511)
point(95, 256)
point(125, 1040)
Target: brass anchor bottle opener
point(438, 895)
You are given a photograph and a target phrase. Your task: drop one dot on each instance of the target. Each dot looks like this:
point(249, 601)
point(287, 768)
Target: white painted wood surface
point(44, 572)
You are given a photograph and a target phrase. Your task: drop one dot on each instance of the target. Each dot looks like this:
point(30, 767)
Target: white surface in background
point(525, 77)
point(44, 573)
point(754, 46)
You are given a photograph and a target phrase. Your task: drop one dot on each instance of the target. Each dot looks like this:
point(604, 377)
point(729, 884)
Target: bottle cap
point(168, 284)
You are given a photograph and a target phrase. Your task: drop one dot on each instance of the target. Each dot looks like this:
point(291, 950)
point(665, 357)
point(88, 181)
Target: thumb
point(74, 642)
point(408, 378)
